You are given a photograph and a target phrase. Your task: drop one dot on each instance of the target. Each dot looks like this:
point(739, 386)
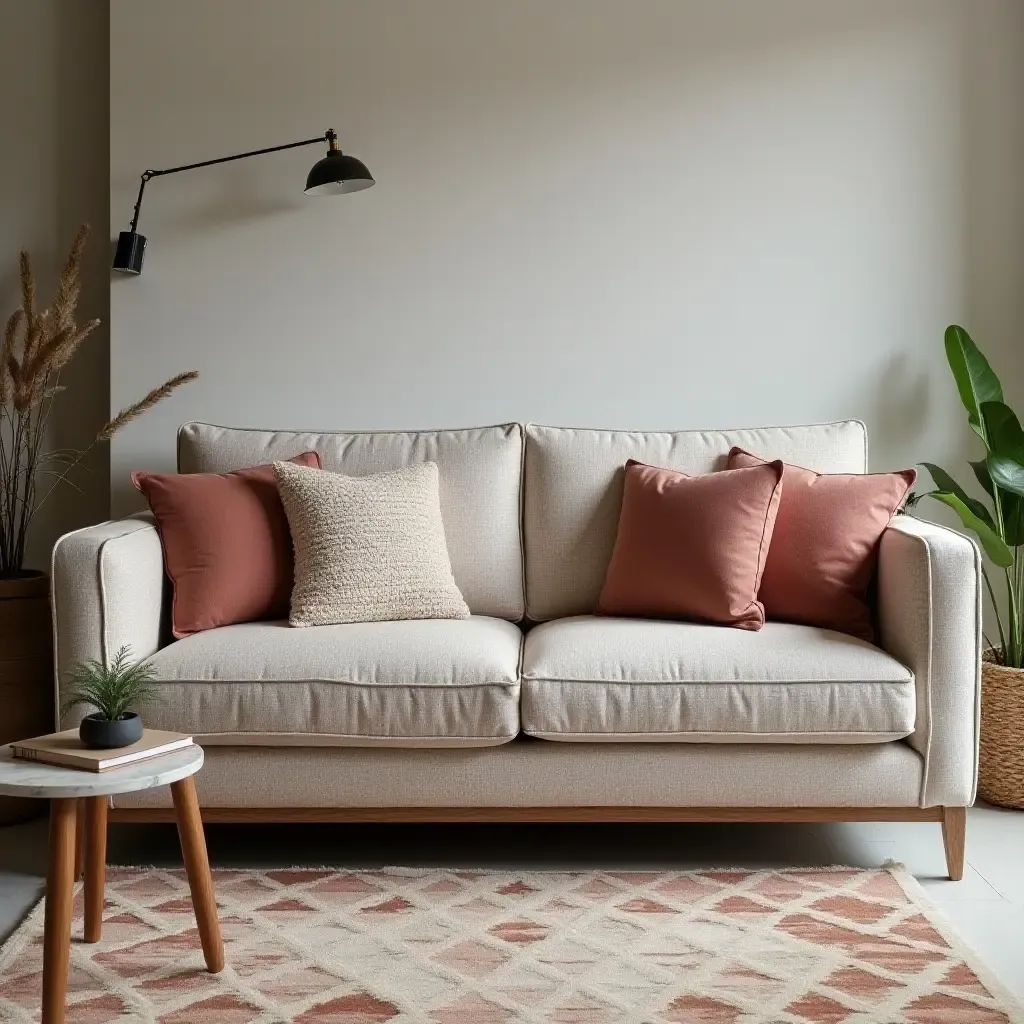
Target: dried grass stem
point(36, 346)
point(140, 408)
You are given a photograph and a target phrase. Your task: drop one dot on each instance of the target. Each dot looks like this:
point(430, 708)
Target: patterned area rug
point(826, 946)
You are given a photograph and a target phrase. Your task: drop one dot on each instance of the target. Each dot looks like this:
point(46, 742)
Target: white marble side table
point(69, 791)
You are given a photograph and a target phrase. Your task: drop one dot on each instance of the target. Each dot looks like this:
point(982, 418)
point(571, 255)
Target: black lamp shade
point(131, 248)
point(336, 173)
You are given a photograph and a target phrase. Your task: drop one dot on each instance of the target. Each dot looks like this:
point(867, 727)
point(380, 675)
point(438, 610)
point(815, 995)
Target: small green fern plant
point(114, 689)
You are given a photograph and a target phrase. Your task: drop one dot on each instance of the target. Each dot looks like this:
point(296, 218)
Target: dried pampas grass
point(140, 408)
point(36, 346)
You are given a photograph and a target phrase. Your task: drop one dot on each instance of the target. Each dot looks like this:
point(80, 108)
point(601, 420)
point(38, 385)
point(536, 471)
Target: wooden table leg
point(57, 920)
point(95, 864)
point(197, 867)
point(80, 805)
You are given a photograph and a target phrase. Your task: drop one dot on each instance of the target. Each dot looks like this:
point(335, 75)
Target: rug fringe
point(938, 918)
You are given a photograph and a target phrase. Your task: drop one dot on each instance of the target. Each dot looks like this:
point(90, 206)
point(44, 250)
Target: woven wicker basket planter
point(1001, 772)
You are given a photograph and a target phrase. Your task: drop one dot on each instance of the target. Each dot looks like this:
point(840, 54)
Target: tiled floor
point(987, 907)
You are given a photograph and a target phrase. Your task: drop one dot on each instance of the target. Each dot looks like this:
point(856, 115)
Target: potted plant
point(112, 690)
point(998, 523)
point(36, 346)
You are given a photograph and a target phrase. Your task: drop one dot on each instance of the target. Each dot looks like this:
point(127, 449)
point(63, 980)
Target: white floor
point(986, 908)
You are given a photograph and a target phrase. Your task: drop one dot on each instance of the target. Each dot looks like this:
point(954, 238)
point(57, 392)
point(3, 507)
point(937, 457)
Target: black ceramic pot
point(102, 734)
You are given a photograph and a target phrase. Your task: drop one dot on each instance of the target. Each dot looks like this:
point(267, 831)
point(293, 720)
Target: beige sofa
point(534, 709)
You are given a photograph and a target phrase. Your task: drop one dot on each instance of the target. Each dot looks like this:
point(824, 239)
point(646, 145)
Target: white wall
point(654, 213)
point(53, 176)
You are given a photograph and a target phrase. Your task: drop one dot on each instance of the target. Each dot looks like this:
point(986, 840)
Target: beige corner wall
point(654, 213)
point(54, 176)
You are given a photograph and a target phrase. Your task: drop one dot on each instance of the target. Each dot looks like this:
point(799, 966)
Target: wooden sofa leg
point(954, 834)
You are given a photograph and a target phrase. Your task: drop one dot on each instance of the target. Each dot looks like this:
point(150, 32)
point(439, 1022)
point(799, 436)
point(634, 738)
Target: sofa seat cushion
point(421, 683)
point(629, 680)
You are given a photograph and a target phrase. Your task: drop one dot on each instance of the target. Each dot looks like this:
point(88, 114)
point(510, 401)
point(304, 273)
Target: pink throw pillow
point(692, 547)
point(227, 548)
point(825, 548)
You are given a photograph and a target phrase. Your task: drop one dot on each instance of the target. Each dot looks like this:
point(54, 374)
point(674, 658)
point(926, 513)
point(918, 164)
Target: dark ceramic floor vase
point(26, 672)
point(100, 733)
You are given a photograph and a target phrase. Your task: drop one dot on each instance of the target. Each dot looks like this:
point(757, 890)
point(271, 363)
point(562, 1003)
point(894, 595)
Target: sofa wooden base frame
point(953, 819)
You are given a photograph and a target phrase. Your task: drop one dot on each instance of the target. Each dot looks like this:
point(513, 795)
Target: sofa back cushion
point(480, 480)
point(572, 492)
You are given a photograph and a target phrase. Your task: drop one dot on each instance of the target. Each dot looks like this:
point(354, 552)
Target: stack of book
point(66, 750)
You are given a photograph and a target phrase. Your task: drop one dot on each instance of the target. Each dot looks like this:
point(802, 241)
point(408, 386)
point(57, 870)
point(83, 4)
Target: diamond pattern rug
point(801, 946)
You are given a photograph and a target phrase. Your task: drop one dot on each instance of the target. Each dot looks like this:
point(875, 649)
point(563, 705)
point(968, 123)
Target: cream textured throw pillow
point(368, 548)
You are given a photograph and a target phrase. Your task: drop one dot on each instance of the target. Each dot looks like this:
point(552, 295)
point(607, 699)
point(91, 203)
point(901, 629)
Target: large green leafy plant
point(998, 524)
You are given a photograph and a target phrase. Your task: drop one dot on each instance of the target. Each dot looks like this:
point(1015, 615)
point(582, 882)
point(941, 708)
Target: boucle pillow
point(368, 549)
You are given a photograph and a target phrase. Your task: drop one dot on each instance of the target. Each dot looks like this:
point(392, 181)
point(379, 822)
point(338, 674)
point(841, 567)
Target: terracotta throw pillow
point(368, 548)
point(825, 547)
point(692, 547)
point(227, 550)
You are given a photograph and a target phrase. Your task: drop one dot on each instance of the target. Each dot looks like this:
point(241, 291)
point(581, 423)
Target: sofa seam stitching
point(721, 682)
point(356, 735)
point(929, 732)
point(522, 518)
point(543, 733)
point(340, 682)
point(703, 430)
point(361, 433)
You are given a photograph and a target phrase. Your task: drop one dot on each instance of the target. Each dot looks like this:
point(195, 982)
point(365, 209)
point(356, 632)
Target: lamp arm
point(329, 136)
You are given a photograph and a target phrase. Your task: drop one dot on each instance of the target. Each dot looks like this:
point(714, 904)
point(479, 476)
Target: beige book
point(66, 750)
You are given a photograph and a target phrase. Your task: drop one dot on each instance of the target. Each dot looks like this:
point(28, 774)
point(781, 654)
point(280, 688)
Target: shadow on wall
point(992, 149)
point(81, 189)
point(237, 200)
point(899, 406)
point(234, 195)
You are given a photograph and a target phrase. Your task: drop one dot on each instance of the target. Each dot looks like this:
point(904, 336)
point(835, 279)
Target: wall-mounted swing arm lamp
point(334, 174)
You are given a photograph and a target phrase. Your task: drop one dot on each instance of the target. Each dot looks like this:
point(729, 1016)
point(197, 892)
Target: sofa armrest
point(107, 592)
point(929, 610)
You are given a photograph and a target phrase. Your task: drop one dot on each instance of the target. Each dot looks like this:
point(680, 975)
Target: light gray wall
point(54, 176)
point(655, 213)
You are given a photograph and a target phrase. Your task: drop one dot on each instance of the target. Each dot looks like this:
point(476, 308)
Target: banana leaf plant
point(999, 523)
